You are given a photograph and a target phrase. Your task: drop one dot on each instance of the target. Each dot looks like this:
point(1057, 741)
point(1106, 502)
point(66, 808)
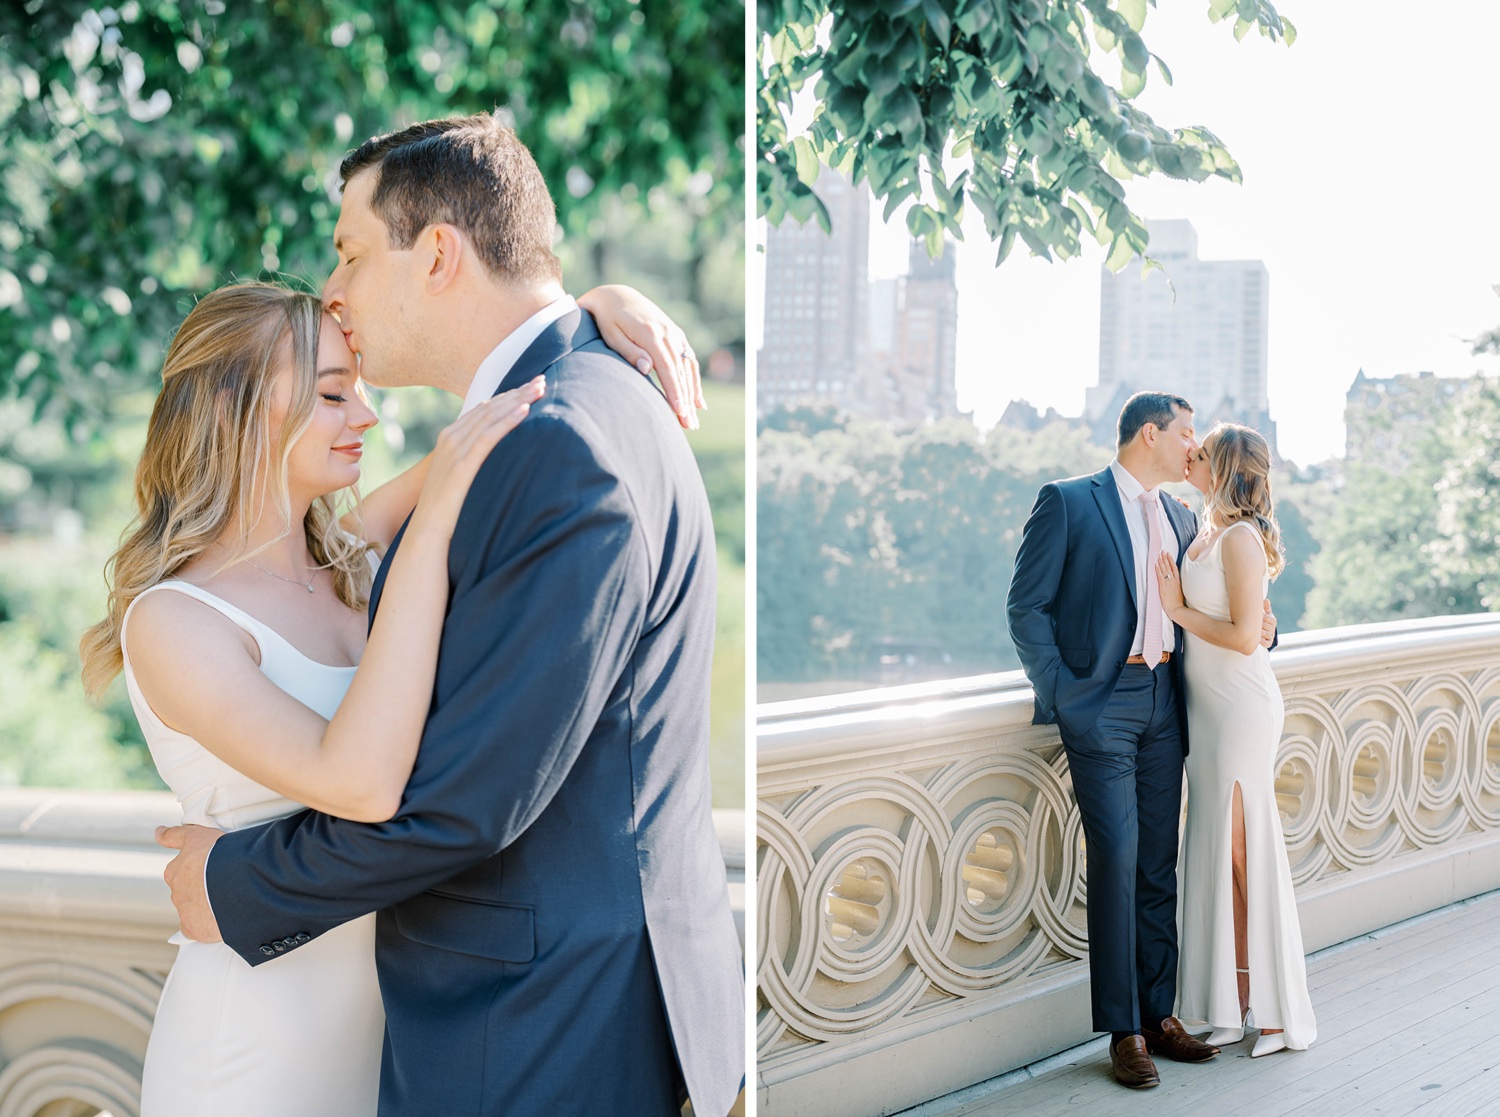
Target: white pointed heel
point(1224, 1036)
point(1268, 1044)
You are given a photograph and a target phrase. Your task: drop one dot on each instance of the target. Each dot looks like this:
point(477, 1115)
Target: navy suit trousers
point(1127, 777)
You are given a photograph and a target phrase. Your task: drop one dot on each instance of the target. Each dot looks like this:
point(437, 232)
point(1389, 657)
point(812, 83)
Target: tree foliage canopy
point(868, 536)
point(872, 540)
point(1413, 534)
point(1009, 88)
point(151, 149)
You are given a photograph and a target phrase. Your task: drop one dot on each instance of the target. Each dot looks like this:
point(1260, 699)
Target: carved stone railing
point(84, 922)
point(920, 863)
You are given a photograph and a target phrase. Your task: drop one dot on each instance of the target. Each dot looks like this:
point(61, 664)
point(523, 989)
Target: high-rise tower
point(817, 290)
point(1203, 335)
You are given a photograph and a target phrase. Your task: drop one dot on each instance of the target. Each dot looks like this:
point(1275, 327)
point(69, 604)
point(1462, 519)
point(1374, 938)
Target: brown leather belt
point(1142, 659)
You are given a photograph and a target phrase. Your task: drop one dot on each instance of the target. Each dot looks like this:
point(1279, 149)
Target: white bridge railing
point(84, 922)
point(920, 864)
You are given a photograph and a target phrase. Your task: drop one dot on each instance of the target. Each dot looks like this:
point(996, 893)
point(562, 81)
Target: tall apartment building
point(1202, 336)
point(926, 363)
point(817, 290)
point(883, 350)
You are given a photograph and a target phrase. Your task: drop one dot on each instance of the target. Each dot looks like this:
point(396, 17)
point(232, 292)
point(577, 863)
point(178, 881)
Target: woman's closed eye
point(334, 397)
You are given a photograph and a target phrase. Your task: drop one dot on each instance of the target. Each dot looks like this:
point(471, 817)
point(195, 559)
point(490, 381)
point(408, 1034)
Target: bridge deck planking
point(1361, 1065)
point(1447, 1086)
point(1408, 1022)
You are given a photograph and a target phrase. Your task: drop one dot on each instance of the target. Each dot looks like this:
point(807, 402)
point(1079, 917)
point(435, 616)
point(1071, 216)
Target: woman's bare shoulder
point(1245, 550)
point(170, 624)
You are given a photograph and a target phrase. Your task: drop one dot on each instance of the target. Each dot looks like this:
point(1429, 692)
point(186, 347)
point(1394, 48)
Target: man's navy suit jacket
point(1072, 601)
point(551, 889)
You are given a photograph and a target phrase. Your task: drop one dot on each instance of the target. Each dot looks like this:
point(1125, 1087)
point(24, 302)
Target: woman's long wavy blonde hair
point(208, 442)
point(1239, 487)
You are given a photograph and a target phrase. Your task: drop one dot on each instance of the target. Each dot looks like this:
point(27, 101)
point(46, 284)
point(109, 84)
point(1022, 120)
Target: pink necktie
point(1151, 647)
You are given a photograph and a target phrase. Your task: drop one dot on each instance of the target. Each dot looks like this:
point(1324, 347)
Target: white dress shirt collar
point(1130, 488)
point(494, 368)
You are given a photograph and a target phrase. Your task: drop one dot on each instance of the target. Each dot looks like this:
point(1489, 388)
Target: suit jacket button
point(303, 936)
point(266, 948)
point(280, 946)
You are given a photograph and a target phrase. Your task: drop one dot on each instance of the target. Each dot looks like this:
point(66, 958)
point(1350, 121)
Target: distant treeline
point(885, 556)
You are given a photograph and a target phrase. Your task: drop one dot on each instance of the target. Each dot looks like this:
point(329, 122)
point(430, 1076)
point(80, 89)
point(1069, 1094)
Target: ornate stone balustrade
point(920, 864)
point(84, 919)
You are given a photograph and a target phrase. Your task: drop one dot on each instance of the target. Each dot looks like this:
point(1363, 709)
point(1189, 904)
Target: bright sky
point(1371, 177)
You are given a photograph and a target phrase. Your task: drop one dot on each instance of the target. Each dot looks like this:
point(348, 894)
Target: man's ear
point(446, 248)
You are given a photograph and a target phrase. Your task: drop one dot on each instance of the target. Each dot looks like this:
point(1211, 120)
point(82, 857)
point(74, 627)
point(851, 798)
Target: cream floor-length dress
point(299, 1035)
point(1235, 715)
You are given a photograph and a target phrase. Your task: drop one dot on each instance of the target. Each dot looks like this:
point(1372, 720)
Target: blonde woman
point(1241, 945)
point(237, 614)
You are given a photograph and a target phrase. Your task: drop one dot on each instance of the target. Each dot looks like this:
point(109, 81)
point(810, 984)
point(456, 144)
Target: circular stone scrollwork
point(1482, 787)
point(891, 895)
point(1492, 755)
point(1369, 831)
point(1434, 810)
point(1309, 783)
point(1293, 786)
point(63, 1078)
point(855, 909)
point(1482, 784)
point(1439, 763)
point(863, 889)
point(1300, 794)
point(857, 880)
point(992, 858)
point(1370, 777)
point(989, 870)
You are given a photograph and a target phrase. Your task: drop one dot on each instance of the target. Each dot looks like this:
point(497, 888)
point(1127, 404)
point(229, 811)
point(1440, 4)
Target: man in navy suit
point(554, 932)
point(1105, 664)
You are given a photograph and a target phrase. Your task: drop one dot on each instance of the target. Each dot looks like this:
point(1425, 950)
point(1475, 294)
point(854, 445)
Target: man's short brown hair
point(1148, 407)
point(470, 172)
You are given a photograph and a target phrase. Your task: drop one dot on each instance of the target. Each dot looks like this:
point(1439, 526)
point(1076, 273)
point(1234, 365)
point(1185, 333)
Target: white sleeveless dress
point(1235, 715)
point(300, 1035)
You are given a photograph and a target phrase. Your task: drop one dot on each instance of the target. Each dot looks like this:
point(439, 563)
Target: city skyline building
point(1200, 330)
point(815, 347)
point(883, 350)
point(926, 364)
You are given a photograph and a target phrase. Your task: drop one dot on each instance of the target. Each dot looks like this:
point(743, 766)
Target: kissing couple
point(512, 773)
point(1144, 629)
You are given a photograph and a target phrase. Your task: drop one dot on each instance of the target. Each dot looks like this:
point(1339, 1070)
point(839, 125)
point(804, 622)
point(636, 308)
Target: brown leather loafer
point(1133, 1066)
point(1174, 1042)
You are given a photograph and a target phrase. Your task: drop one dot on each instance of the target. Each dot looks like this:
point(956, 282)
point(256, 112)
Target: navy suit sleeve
point(551, 582)
point(1033, 593)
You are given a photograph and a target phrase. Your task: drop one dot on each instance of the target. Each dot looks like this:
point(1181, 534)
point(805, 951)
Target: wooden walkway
point(1408, 1023)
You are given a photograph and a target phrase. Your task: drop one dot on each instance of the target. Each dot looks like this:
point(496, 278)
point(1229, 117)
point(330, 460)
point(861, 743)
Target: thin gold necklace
point(307, 585)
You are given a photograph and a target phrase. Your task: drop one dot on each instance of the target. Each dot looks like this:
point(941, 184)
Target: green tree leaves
point(866, 534)
point(1466, 552)
point(151, 149)
point(1006, 86)
point(1413, 535)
